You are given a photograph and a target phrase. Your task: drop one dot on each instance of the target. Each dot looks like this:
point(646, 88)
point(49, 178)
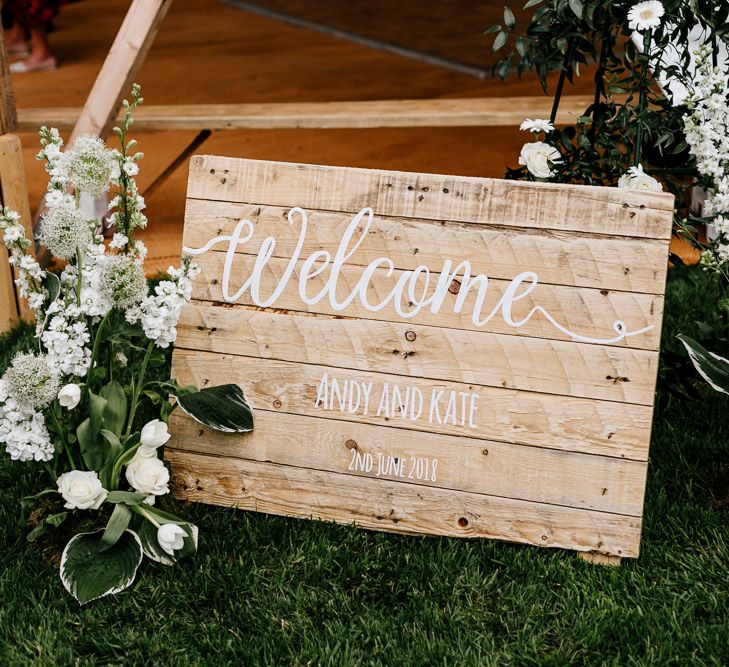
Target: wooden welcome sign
point(425, 354)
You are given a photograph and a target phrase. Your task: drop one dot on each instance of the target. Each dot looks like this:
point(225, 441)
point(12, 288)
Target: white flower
point(148, 475)
point(537, 125)
point(64, 229)
point(23, 431)
point(122, 281)
point(645, 15)
point(30, 382)
point(171, 537)
point(69, 396)
point(81, 490)
point(537, 156)
point(119, 240)
point(154, 435)
point(88, 165)
point(131, 168)
point(637, 179)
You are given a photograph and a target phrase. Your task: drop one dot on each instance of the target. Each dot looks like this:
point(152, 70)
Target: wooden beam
point(14, 195)
point(8, 118)
point(484, 112)
point(125, 57)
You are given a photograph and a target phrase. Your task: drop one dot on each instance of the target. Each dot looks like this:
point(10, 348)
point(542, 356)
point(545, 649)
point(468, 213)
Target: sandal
point(23, 66)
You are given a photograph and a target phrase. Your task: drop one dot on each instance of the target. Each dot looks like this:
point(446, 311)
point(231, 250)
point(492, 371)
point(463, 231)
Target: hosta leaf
point(89, 573)
point(223, 408)
point(713, 368)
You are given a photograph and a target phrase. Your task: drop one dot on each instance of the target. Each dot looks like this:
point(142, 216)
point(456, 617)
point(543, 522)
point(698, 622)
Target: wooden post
point(10, 187)
point(126, 56)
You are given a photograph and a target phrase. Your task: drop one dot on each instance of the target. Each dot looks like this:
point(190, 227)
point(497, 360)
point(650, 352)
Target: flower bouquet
point(76, 404)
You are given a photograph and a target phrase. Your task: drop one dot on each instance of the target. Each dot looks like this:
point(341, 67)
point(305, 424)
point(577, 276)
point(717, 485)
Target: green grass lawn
point(268, 590)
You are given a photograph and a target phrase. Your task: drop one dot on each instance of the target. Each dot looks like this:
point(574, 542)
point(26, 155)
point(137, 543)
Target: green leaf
point(531, 3)
point(499, 41)
point(126, 497)
point(713, 368)
point(576, 7)
point(115, 412)
point(117, 524)
point(223, 408)
point(152, 549)
point(52, 521)
point(492, 29)
point(89, 573)
point(97, 405)
point(509, 18)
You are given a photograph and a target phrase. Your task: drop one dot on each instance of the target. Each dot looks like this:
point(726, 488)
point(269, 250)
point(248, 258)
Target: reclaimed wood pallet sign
point(424, 353)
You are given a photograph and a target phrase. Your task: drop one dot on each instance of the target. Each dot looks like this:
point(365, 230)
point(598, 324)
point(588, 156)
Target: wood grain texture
point(8, 114)
point(125, 57)
point(588, 312)
point(396, 507)
point(459, 112)
point(14, 195)
point(494, 360)
point(494, 468)
point(558, 258)
point(616, 211)
point(560, 422)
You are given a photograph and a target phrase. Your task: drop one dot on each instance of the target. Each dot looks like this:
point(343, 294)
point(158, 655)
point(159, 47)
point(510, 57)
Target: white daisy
point(646, 15)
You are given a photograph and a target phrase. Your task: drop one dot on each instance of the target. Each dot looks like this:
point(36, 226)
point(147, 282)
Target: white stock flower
point(154, 435)
point(637, 179)
point(645, 15)
point(81, 490)
point(88, 165)
point(171, 537)
point(538, 157)
point(64, 229)
point(23, 431)
point(65, 340)
point(119, 240)
point(537, 125)
point(30, 382)
point(148, 475)
point(69, 396)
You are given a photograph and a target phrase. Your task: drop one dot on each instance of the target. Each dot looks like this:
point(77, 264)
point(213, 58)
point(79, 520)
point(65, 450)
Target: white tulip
point(154, 434)
point(538, 157)
point(637, 179)
point(81, 490)
point(148, 475)
point(69, 396)
point(171, 537)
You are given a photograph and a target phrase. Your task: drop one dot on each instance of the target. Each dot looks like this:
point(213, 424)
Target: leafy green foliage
point(91, 569)
point(223, 408)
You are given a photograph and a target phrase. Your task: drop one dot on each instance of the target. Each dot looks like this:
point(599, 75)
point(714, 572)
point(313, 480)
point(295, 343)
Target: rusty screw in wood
point(463, 522)
point(485, 452)
point(410, 335)
point(277, 404)
point(351, 444)
point(454, 287)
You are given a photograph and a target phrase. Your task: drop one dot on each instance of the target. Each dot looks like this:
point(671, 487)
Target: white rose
point(536, 157)
point(148, 475)
point(171, 537)
point(69, 396)
point(637, 179)
point(81, 490)
point(154, 434)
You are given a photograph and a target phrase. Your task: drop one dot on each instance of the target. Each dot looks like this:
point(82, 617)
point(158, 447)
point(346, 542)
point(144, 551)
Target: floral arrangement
point(75, 404)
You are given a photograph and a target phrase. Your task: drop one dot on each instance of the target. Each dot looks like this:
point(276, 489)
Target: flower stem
point(95, 350)
point(562, 76)
point(147, 515)
point(66, 448)
point(642, 99)
point(138, 385)
point(79, 266)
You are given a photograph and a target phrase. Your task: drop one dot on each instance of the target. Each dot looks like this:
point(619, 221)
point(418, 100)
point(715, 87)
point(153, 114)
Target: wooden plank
point(560, 258)
point(614, 211)
point(588, 312)
point(14, 194)
point(513, 362)
point(396, 507)
point(595, 558)
point(502, 469)
point(126, 55)
point(8, 114)
point(458, 112)
point(559, 422)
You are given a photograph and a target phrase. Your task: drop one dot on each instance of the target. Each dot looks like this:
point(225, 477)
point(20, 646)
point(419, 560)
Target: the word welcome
point(413, 290)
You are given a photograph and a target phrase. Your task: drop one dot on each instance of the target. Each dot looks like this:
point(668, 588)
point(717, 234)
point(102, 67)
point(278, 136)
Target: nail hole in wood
point(410, 335)
point(277, 404)
point(463, 522)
